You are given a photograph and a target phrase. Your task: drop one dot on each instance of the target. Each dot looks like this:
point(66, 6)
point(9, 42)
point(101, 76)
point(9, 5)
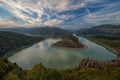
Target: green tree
point(11, 76)
point(52, 74)
point(35, 73)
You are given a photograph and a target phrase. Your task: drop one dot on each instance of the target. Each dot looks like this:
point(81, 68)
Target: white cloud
point(53, 22)
point(31, 11)
point(4, 23)
point(109, 14)
point(22, 9)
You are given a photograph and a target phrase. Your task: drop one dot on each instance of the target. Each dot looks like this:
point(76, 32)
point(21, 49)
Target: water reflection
point(59, 58)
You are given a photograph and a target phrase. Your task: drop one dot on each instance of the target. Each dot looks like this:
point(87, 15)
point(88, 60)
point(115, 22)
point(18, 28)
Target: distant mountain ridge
point(42, 31)
point(101, 29)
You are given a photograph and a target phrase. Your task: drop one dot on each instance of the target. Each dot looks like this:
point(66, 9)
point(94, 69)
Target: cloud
point(109, 14)
point(30, 13)
point(22, 9)
point(4, 23)
point(53, 22)
point(25, 9)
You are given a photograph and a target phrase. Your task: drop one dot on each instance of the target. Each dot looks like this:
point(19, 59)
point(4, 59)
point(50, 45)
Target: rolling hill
point(11, 40)
point(101, 29)
point(41, 31)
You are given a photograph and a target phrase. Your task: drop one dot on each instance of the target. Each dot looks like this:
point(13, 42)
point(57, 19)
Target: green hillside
point(9, 71)
point(101, 30)
point(10, 41)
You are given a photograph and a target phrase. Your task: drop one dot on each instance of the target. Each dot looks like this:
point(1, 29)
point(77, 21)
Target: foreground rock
point(89, 63)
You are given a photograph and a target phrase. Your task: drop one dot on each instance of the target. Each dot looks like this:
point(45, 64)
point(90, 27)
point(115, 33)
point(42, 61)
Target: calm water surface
point(59, 58)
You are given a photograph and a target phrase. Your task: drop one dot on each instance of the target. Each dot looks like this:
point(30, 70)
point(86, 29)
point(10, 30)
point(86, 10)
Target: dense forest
point(10, 41)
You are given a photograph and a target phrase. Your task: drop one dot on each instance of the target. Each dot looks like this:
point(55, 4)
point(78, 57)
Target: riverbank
point(84, 47)
point(106, 46)
point(10, 53)
point(116, 51)
point(70, 42)
point(11, 41)
point(90, 63)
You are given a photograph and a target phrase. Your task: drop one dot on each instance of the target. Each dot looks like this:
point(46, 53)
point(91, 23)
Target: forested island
point(68, 42)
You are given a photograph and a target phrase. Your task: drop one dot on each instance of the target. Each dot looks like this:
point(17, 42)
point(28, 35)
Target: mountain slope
point(48, 32)
point(11, 40)
point(101, 29)
point(42, 31)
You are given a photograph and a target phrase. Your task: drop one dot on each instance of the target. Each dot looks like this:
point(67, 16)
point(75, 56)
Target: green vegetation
point(39, 31)
point(110, 42)
point(68, 41)
point(70, 37)
point(10, 41)
point(48, 32)
point(9, 71)
point(101, 30)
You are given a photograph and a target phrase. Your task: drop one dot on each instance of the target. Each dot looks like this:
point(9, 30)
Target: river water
point(59, 58)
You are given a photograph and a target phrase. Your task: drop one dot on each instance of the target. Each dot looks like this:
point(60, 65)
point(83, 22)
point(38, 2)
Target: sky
point(68, 14)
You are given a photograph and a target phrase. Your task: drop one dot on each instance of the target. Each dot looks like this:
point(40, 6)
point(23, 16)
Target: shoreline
point(67, 48)
point(9, 53)
point(104, 45)
point(107, 47)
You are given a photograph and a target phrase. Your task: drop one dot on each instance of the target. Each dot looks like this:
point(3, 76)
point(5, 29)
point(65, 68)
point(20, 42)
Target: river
point(59, 58)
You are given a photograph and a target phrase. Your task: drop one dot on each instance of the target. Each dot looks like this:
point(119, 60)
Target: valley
point(59, 56)
point(59, 39)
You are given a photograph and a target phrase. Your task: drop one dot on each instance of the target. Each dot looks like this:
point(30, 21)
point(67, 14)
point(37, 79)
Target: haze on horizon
point(68, 14)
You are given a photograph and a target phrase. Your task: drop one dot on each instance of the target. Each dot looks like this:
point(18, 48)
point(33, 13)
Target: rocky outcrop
point(89, 63)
